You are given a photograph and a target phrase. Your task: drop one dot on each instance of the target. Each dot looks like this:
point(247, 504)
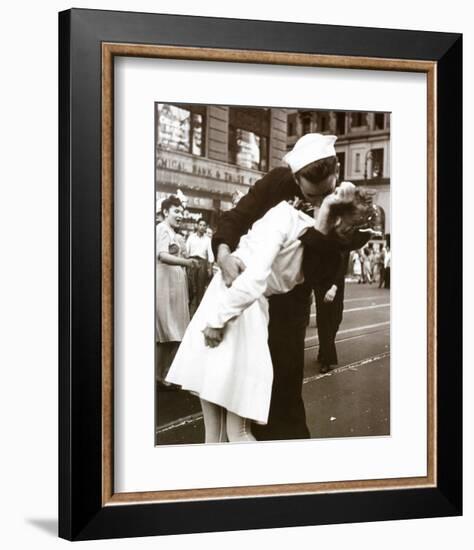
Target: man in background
point(198, 247)
point(329, 298)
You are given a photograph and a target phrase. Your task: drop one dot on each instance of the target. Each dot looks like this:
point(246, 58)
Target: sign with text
point(205, 168)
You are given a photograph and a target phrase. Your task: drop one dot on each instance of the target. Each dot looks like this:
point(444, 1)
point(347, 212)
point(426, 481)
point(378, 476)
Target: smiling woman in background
point(172, 310)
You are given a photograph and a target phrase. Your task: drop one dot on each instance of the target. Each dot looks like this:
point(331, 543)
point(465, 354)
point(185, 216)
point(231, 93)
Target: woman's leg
point(238, 428)
point(214, 422)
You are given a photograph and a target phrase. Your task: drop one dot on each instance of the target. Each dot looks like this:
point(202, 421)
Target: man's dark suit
point(329, 314)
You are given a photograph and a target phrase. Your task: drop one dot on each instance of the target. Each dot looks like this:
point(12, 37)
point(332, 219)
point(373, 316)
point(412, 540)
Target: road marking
point(361, 299)
point(349, 366)
point(347, 330)
point(190, 419)
point(360, 308)
point(180, 422)
point(341, 340)
point(366, 307)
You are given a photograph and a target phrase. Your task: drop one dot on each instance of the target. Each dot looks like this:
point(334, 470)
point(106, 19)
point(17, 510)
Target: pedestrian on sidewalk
point(379, 269)
point(357, 266)
point(367, 263)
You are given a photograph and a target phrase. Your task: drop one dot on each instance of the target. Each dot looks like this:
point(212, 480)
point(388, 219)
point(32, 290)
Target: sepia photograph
point(272, 274)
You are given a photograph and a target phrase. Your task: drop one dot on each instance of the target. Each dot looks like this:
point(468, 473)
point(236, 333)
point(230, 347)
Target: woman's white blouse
point(273, 258)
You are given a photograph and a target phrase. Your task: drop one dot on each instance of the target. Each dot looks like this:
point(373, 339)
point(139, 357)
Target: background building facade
point(214, 154)
point(362, 148)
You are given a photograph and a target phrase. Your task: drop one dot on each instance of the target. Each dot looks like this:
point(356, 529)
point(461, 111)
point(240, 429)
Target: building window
point(306, 121)
point(248, 149)
point(377, 163)
point(379, 121)
point(181, 128)
point(249, 131)
point(358, 119)
point(357, 162)
point(323, 122)
point(291, 125)
point(341, 159)
point(340, 123)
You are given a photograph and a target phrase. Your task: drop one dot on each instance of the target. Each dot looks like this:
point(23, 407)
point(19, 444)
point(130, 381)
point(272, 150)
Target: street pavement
point(352, 400)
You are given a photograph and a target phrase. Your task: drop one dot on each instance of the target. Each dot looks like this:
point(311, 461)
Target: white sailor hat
point(308, 149)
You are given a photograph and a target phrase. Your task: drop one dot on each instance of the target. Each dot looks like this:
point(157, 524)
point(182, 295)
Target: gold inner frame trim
point(111, 50)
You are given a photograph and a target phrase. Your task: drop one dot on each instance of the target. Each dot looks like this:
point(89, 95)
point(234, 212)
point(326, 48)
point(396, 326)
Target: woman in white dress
point(367, 265)
point(357, 266)
point(224, 356)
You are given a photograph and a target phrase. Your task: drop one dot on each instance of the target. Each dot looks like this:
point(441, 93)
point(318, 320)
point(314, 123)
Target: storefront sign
point(205, 168)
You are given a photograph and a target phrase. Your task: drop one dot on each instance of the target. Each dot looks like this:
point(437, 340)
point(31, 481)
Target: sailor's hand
point(231, 267)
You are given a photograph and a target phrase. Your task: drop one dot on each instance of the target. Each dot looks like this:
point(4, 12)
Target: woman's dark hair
point(172, 200)
point(318, 170)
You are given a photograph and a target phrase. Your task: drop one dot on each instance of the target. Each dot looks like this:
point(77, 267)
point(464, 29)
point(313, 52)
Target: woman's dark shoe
point(323, 369)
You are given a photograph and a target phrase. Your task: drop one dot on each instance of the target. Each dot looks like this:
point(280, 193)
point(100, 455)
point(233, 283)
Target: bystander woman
point(172, 310)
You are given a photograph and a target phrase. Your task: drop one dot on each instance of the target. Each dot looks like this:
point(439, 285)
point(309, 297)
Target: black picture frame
point(82, 514)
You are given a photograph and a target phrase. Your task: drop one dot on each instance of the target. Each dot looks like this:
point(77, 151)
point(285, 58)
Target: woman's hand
point(191, 262)
point(213, 336)
point(173, 259)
